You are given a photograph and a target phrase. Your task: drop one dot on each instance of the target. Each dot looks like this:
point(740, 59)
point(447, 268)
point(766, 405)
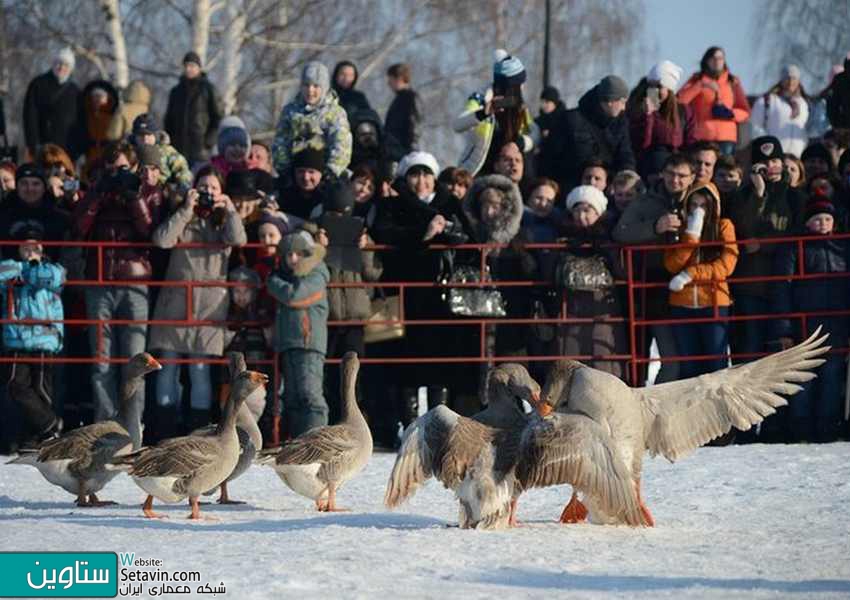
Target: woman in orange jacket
point(699, 281)
point(717, 101)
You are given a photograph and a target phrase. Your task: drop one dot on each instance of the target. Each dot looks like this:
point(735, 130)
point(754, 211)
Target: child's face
point(269, 235)
point(30, 250)
point(623, 194)
point(584, 214)
point(821, 224)
point(697, 201)
point(542, 201)
point(292, 259)
point(458, 189)
point(727, 180)
point(595, 176)
point(242, 296)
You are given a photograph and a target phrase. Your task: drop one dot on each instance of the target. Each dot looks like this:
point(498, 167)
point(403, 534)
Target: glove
point(695, 221)
point(678, 283)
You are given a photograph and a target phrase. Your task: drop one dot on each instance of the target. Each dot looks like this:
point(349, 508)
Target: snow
point(737, 522)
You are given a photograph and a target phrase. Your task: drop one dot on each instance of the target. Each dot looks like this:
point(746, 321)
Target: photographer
point(121, 207)
point(205, 216)
point(61, 176)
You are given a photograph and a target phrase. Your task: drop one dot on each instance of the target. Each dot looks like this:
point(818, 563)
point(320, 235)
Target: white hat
point(66, 56)
point(418, 159)
point(666, 73)
point(791, 72)
point(587, 194)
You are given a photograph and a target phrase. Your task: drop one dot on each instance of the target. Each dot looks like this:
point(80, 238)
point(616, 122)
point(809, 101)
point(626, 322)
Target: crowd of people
point(305, 229)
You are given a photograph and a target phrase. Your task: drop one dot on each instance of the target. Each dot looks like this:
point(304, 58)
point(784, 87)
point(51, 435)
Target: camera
point(759, 169)
point(122, 181)
point(205, 200)
point(70, 186)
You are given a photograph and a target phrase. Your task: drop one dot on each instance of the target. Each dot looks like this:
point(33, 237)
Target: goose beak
point(258, 377)
point(153, 364)
point(544, 409)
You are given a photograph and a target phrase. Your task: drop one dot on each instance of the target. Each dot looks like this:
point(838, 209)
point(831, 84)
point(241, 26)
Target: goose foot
point(512, 521)
point(331, 506)
point(648, 520)
point(95, 501)
point(321, 505)
point(195, 515)
point(224, 498)
point(574, 511)
point(147, 508)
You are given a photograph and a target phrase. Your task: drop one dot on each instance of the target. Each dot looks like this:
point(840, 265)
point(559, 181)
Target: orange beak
point(258, 377)
point(153, 364)
point(544, 408)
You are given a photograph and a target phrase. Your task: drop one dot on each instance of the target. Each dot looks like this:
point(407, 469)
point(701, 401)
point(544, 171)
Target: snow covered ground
point(737, 522)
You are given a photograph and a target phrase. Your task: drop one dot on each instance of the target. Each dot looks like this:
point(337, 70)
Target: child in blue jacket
point(35, 287)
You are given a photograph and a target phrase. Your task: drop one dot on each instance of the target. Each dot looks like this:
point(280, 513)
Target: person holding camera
point(120, 207)
point(205, 216)
point(31, 201)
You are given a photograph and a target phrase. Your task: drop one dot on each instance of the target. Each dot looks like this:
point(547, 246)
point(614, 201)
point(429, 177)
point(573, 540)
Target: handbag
point(473, 301)
point(583, 273)
point(384, 322)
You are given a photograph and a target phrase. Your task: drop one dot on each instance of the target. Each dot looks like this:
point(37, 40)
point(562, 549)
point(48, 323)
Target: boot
point(409, 406)
point(437, 395)
point(162, 425)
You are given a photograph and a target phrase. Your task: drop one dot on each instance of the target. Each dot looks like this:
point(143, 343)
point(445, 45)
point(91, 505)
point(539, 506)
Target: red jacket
point(652, 130)
point(109, 217)
point(701, 99)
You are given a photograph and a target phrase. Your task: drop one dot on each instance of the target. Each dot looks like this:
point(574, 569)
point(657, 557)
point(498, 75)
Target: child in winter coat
point(815, 412)
point(36, 298)
point(698, 287)
point(301, 329)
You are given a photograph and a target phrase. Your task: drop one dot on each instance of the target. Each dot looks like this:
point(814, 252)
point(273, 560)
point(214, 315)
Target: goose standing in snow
point(188, 466)
point(488, 467)
point(77, 461)
point(250, 436)
point(675, 418)
point(319, 461)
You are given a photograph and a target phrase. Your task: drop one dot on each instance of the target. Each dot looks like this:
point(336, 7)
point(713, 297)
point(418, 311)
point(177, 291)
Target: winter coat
point(15, 214)
point(38, 298)
point(484, 138)
point(108, 216)
point(91, 134)
point(302, 125)
point(702, 99)
point(302, 311)
point(50, 111)
point(838, 99)
point(374, 157)
point(173, 166)
point(401, 125)
point(820, 255)
point(194, 264)
point(776, 215)
point(192, 117)
point(350, 100)
point(648, 131)
point(137, 101)
point(299, 203)
point(585, 133)
point(771, 115)
point(708, 286)
point(550, 145)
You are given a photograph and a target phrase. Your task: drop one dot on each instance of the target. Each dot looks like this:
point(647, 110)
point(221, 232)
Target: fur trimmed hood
point(508, 223)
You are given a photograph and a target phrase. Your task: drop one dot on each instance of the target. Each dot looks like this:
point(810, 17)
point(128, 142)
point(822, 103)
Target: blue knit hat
point(232, 131)
point(507, 70)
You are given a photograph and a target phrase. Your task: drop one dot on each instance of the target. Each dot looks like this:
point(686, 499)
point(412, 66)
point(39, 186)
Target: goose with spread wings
point(673, 419)
point(488, 467)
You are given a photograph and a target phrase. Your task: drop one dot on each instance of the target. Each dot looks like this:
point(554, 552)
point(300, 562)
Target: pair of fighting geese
point(589, 429)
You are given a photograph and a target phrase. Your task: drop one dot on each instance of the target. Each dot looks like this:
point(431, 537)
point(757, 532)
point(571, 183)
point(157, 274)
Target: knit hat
point(507, 70)
point(192, 57)
point(309, 158)
point(285, 224)
point(418, 159)
point(790, 72)
point(264, 181)
point(232, 131)
point(764, 148)
point(612, 87)
point(28, 229)
point(244, 275)
point(66, 56)
point(241, 183)
point(143, 125)
point(339, 198)
point(666, 73)
point(587, 194)
point(30, 170)
point(819, 205)
point(550, 93)
point(817, 150)
point(149, 154)
point(316, 73)
point(298, 241)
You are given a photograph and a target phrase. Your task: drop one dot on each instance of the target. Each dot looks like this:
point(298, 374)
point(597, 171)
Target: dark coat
point(585, 133)
point(838, 99)
point(192, 117)
point(15, 213)
point(50, 110)
point(350, 99)
point(374, 157)
point(551, 147)
point(402, 123)
point(810, 295)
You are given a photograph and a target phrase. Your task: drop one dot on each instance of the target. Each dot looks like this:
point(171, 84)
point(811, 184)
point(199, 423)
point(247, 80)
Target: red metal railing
point(634, 283)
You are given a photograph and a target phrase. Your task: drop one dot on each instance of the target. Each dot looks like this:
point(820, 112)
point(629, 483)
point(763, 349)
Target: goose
point(488, 467)
point(673, 419)
point(77, 461)
point(319, 461)
point(188, 466)
point(250, 436)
